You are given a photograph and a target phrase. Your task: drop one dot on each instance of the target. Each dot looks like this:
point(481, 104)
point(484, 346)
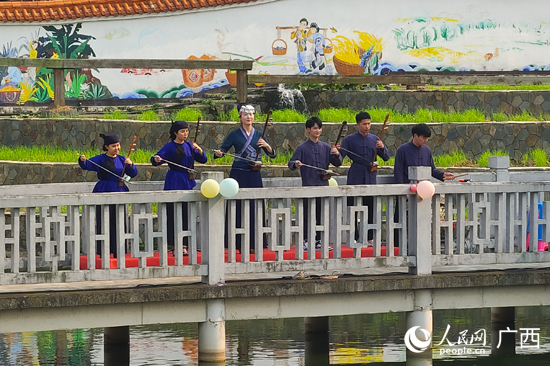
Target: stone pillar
point(116, 341)
point(503, 319)
point(420, 317)
point(499, 166)
point(317, 341)
point(420, 224)
point(212, 332)
point(212, 218)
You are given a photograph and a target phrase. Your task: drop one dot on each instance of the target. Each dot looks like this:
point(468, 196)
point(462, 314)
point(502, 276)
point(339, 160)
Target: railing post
point(420, 222)
point(242, 85)
point(212, 247)
point(59, 87)
point(500, 165)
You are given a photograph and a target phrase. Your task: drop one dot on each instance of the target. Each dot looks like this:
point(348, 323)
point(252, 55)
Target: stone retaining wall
point(408, 101)
point(473, 138)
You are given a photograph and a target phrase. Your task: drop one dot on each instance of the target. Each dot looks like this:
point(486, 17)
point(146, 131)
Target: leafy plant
point(67, 42)
point(44, 91)
point(27, 92)
point(96, 91)
point(78, 89)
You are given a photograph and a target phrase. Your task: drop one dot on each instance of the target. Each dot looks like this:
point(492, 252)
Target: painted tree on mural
point(65, 42)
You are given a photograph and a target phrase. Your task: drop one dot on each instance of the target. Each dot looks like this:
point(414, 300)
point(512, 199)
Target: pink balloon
point(425, 189)
point(413, 188)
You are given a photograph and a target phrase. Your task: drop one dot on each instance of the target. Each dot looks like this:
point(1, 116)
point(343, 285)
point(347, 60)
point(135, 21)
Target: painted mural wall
point(347, 37)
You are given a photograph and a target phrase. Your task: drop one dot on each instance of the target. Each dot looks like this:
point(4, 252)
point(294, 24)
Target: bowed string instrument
point(257, 164)
point(191, 173)
point(373, 166)
point(132, 148)
point(326, 174)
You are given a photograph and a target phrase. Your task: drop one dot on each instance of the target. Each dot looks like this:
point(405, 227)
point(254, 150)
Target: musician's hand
point(379, 144)
point(218, 153)
point(157, 158)
point(448, 176)
point(262, 143)
point(128, 161)
point(297, 163)
point(337, 146)
point(82, 157)
point(334, 150)
point(197, 147)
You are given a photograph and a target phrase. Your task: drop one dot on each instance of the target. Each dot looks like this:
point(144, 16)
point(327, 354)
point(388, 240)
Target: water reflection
point(363, 339)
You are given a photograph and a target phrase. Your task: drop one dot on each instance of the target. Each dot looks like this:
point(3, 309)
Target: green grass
point(483, 160)
point(116, 115)
point(338, 115)
point(455, 158)
point(492, 87)
point(187, 114)
point(149, 116)
point(535, 157)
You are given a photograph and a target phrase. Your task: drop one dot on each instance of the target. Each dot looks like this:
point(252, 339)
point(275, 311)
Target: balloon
point(210, 188)
point(332, 182)
point(229, 187)
point(413, 188)
point(425, 189)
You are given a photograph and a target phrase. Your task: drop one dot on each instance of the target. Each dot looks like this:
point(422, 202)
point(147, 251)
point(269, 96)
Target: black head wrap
point(108, 140)
point(176, 126)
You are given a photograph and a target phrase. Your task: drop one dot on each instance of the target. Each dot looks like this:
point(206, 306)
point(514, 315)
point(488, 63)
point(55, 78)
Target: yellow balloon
point(332, 182)
point(210, 188)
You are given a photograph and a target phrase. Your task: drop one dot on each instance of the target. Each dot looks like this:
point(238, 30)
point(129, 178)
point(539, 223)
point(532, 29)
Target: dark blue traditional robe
point(316, 154)
point(408, 155)
point(241, 170)
point(182, 154)
point(108, 182)
point(364, 150)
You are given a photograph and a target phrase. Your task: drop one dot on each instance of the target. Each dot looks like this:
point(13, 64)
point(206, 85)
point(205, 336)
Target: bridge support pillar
point(317, 342)
point(212, 333)
point(503, 342)
point(421, 317)
point(116, 341)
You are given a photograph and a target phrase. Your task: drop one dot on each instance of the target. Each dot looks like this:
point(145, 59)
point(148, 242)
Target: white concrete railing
point(46, 237)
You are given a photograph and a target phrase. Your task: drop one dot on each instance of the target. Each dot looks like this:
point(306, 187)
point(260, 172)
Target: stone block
point(499, 162)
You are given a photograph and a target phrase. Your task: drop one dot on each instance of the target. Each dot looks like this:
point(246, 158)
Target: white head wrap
point(247, 108)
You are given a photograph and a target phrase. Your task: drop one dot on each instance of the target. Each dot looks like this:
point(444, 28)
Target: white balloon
point(229, 187)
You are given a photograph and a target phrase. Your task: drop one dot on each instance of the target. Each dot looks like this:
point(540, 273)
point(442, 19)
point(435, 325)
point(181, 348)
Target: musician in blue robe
point(362, 148)
point(414, 153)
point(180, 152)
point(248, 144)
point(110, 168)
point(310, 155)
